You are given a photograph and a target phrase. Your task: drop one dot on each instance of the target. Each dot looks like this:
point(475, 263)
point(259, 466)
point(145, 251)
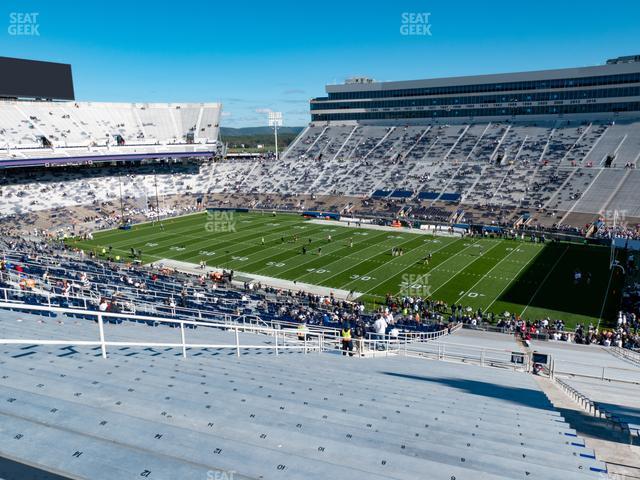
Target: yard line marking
point(400, 271)
point(377, 245)
point(182, 232)
point(168, 239)
point(203, 238)
point(224, 239)
point(336, 242)
point(172, 228)
point(110, 232)
point(126, 252)
point(467, 265)
point(372, 256)
point(382, 264)
point(331, 249)
point(488, 272)
point(511, 281)
point(414, 264)
point(545, 280)
point(252, 246)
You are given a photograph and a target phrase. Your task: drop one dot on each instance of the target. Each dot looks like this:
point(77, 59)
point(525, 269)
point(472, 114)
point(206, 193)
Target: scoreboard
point(35, 79)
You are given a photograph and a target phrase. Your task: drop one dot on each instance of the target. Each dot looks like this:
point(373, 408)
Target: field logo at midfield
point(415, 24)
point(24, 24)
point(220, 222)
point(415, 285)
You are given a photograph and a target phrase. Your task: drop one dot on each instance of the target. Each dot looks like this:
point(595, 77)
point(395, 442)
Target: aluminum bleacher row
point(148, 412)
point(85, 124)
point(507, 160)
point(52, 133)
point(60, 189)
point(557, 166)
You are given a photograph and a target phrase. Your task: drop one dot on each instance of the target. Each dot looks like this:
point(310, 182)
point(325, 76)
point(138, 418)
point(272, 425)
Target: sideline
point(241, 277)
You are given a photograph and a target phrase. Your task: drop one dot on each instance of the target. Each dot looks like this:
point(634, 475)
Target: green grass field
point(495, 275)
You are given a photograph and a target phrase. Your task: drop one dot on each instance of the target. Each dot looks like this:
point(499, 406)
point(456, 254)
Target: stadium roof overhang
point(495, 78)
point(90, 159)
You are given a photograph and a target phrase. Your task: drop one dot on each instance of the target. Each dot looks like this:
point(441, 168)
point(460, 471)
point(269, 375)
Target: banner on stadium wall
point(458, 228)
point(227, 209)
point(631, 244)
point(355, 220)
point(326, 215)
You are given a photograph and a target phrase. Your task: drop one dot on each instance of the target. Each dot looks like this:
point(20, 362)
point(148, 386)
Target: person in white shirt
point(380, 326)
point(103, 305)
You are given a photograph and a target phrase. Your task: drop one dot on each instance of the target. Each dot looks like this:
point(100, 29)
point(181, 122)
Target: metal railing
point(606, 373)
point(305, 340)
point(543, 334)
point(632, 356)
point(311, 342)
point(318, 338)
point(600, 411)
point(470, 354)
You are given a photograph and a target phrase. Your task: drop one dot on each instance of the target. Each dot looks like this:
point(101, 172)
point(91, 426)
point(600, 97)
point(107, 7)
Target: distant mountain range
point(248, 131)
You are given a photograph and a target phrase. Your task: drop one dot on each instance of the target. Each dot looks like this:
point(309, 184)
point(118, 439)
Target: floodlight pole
point(155, 181)
point(275, 121)
point(121, 200)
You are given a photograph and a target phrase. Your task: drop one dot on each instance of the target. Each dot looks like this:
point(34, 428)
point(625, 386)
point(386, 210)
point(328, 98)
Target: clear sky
point(255, 56)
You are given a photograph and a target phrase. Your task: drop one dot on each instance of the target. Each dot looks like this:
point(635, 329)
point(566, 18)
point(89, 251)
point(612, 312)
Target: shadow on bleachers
point(518, 396)
point(10, 470)
point(586, 424)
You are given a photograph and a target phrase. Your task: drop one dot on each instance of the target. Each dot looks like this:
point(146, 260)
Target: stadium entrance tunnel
point(567, 278)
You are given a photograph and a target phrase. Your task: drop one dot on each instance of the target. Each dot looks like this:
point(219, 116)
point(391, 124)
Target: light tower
point(275, 121)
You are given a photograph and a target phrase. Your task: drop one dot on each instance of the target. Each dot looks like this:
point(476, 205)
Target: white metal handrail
point(477, 355)
point(609, 373)
point(7, 293)
point(278, 335)
point(288, 338)
point(632, 355)
point(411, 344)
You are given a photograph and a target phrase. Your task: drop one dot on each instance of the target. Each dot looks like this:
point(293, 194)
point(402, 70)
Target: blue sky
point(260, 56)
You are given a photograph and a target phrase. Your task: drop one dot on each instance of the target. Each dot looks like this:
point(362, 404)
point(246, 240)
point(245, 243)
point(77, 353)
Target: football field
point(495, 275)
